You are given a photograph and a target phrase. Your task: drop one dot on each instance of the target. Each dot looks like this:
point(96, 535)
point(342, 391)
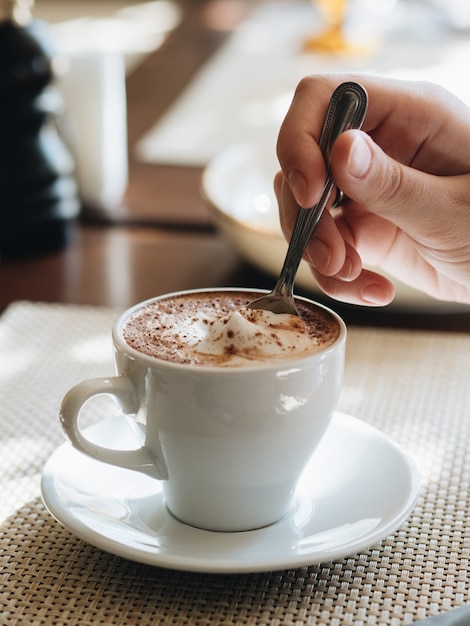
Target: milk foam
point(217, 329)
point(257, 336)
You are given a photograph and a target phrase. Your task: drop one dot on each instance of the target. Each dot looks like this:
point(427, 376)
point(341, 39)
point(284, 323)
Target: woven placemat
point(412, 385)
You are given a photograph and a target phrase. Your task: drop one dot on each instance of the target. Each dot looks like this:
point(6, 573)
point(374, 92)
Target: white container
point(94, 91)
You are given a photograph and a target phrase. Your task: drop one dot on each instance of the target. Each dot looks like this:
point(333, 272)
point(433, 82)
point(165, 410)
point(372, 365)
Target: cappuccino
point(217, 329)
point(229, 434)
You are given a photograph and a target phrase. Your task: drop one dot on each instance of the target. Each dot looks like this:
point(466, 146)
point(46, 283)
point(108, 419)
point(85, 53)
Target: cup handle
point(121, 389)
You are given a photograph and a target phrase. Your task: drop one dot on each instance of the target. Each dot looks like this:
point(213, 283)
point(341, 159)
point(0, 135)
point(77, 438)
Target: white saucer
point(358, 488)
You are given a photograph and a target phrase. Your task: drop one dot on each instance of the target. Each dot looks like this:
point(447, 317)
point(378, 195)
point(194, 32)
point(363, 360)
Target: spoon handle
point(346, 110)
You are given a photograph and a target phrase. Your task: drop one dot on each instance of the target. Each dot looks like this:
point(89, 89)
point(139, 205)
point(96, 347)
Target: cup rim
point(288, 364)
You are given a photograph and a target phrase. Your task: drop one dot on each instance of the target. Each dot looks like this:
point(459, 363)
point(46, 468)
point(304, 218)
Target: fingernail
point(297, 185)
point(346, 270)
point(322, 254)
point(359, 157)
point(373, 294)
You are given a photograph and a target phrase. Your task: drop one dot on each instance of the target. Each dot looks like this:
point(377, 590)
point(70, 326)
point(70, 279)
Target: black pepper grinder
point(38, 193)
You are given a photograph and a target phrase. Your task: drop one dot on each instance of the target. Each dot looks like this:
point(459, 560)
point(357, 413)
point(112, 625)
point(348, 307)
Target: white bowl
point(238, 185)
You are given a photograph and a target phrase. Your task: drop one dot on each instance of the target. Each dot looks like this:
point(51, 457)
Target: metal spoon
point(347, 109)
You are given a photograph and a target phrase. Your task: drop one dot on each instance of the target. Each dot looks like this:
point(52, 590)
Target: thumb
point(380, 184)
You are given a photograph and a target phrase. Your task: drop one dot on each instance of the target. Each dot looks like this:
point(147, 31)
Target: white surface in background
point(130, 28)
point(243, 92)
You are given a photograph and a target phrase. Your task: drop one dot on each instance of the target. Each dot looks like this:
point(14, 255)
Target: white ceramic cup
point(229, 443)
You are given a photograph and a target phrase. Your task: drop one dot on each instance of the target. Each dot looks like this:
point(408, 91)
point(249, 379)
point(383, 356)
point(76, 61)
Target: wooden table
point(161, 239)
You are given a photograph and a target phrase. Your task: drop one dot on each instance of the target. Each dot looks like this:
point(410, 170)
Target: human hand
point(406, 177)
